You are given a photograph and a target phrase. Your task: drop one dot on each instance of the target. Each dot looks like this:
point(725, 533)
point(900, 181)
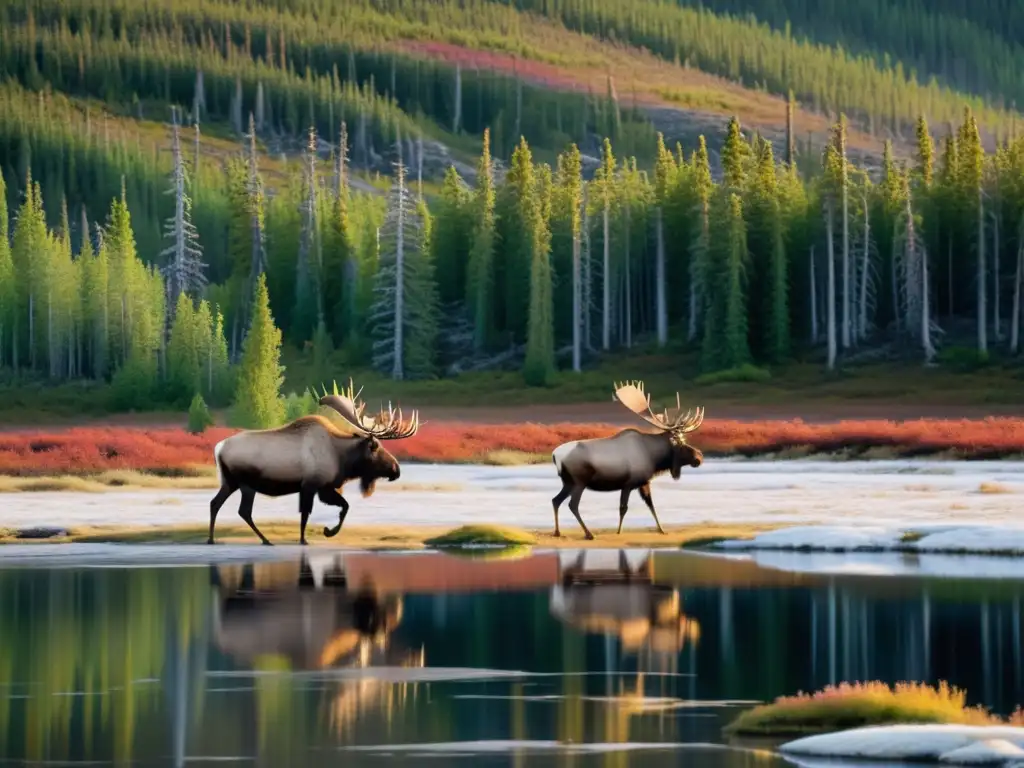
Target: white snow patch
point(886, 564)
point(821, 537)
point(983, 752)
point(974, 539)
point(905, 742)
point(986, 538)
point(559, 454)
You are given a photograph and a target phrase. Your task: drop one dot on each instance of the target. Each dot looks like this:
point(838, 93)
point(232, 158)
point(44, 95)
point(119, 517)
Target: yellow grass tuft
point(854, 705)
point(992, 487)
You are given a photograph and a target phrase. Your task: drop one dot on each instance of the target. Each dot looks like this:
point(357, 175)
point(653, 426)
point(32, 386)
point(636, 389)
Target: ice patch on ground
point(957, 744)
point(950, 539)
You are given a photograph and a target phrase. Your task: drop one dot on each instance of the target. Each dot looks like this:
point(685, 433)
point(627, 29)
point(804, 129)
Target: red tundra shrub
point(86, 450)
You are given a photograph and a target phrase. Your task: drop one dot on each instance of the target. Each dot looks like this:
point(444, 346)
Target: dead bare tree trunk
point(846, 246)
point(814, 301)
point(830, 297)
point(588, 284)
point(628, 309)
point(996, 323)
point(1018, 277)
point(659, 282)
point(576, 300)
point(982, 320)
point(606, 308)
point(863, 322)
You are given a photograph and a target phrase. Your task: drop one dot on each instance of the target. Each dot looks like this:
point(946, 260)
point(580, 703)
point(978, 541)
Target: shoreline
point(204, 477)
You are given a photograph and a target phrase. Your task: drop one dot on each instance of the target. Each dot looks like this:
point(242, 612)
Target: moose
point(628, 460)
point(310, 456)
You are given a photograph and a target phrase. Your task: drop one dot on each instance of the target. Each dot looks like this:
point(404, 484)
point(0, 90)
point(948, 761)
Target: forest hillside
point(455, 193)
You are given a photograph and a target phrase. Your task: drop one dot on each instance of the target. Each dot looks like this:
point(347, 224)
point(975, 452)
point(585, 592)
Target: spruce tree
point(479, 272)
point(7, 289)
point(257, 402)
point(539, 364)
point(183, 354)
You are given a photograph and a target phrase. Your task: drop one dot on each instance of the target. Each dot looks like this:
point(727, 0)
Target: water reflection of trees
point(122, 665)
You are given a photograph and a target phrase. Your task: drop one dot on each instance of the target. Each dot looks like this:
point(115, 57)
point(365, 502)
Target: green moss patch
point(480, 535)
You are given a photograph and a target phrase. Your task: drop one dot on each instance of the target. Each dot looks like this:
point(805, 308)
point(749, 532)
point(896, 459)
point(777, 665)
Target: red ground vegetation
point(87, 450)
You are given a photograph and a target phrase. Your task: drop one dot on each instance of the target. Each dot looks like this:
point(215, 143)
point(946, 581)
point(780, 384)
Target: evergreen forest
point(188, 188)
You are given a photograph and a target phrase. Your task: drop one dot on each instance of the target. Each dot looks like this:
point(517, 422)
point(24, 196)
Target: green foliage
point(199, 417)
point(297, 406)
point(184, 352)
point(962, 359)
point(539, 364)
point(744, 374)
point(258, 403)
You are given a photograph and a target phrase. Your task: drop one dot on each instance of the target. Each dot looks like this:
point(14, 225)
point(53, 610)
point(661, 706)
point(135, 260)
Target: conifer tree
point(479, 274)
point(539, 365)
point(700, 246)
point(451, 238)
point(725, 344)
point(183, 354)
point(7, 289)
point(184, 269)
point(257, 401)
point(339, 260)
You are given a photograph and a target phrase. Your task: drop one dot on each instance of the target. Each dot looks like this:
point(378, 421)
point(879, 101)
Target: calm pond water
point(621, 659)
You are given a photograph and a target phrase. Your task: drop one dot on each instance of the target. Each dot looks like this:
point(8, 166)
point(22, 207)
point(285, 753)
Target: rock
point(984, 752)
point(44, 533)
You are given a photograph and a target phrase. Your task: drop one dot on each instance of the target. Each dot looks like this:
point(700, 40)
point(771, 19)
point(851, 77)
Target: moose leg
point(216, 503)
point(645, 494)
point(331, 497)
point(305, 510)
point(557, 502)
point(245, 512)
point(574, 506)
point(623, 504)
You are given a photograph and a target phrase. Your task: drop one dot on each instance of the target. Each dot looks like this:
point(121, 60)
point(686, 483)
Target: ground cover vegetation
point(856, 705)
point(177, 453)
point(182, 257)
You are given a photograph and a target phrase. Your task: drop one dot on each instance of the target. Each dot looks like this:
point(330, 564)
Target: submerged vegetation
point(854, 705)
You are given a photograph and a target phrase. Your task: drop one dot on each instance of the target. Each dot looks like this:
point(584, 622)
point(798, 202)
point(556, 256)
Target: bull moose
point(312, 457)
point(628, 460)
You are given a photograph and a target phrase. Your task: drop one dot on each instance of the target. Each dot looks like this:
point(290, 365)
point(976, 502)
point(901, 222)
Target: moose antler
point(389, 425)
point(632, 396)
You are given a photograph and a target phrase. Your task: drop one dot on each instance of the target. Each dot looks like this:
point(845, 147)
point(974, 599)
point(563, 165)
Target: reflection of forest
point(153, 664)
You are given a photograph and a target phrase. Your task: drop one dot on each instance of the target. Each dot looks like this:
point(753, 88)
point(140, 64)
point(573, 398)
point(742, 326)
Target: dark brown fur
point(309, 456)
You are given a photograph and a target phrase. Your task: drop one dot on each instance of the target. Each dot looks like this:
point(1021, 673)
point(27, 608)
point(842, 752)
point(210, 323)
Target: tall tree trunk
point(982, 320)
point(862, 324)
point(1018, 277)
point(457, 121)
point(659, 281)
point(705, 226)
point(606, 308)
point(396, 370)
point(830, 296)
point(576, 289)
point(587, 299)
point(814, 301)
point(996, 323)
point(949, 267)
point(895, 281)
point(926, 325)
point(629, 283)
point(31, 332)
point(847, 288)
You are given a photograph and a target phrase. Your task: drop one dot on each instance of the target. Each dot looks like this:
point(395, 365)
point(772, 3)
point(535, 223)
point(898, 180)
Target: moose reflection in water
point(278, 610)
point(624, 603)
